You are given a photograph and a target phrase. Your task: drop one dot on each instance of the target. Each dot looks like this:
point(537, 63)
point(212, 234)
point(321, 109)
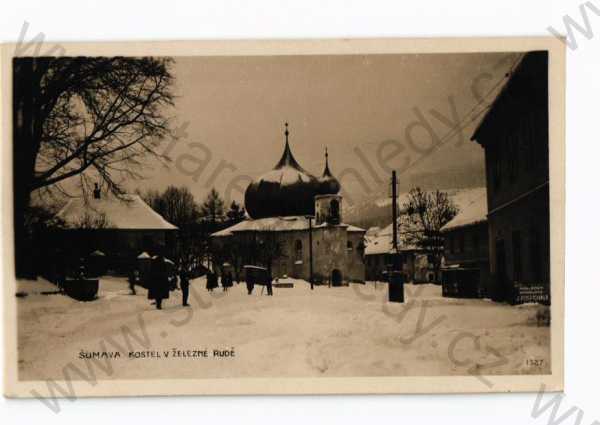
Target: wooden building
point(466, 268)
point(121, 228)
point(514, 136)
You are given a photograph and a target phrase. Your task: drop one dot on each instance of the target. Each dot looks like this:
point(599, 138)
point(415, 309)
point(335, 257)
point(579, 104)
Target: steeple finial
point(287, 158)
point(326, 172)
point(329, 185)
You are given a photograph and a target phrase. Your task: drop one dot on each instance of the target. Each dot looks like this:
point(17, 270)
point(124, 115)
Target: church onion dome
point(284, 191)
point(328, 184)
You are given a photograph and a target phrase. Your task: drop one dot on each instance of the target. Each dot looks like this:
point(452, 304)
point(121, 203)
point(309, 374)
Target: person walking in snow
point(226, 280)
point(134, 279)
point(184, 283)
point(211, 281)
point(159, 280)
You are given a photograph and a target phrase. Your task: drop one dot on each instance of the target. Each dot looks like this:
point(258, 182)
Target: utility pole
point(310, 252)
point(394, 212)
point(396, 281)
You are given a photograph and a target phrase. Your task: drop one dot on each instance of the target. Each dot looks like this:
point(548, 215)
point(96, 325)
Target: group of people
point(212, 281)
point(162, 280)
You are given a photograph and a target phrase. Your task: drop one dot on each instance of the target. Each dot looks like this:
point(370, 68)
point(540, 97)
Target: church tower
point(328, 203)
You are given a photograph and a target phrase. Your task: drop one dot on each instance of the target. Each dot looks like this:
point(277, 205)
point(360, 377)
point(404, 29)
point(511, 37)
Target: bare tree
point(93, 221)
point(424, 215)
point(72, 115)
point(176, 204)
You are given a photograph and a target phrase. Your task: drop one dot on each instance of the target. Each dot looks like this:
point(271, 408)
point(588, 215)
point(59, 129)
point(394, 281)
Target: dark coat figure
point(227, 280)
point(159, 281)
point(270, 287)
point(134, 279)
point(184, 282)
point(258, 276)
point(249, 286)
point(211, 281)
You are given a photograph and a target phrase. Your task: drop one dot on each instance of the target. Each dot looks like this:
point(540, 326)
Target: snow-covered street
point(344, 331)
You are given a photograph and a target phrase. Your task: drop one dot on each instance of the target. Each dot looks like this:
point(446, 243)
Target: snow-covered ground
point(346, 331)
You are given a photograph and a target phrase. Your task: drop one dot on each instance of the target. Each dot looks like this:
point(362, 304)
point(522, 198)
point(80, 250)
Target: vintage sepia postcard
point(283, 217)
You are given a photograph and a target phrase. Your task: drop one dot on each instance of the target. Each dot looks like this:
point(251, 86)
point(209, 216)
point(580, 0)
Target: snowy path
point(347, 331)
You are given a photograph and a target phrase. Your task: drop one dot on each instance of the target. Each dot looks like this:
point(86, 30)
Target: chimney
point(96, 191)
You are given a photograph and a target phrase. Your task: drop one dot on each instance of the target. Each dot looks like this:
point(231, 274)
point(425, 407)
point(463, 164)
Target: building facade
point(380, 255)
point(514, 136)
point(466, 268)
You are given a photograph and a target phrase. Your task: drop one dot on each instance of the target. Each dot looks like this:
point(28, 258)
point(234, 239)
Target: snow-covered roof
point(276, 224)
point(472, 210)
point(254, 267)
point(130, 212)
point(378, 245)
point(383, 244)
point(352, 228)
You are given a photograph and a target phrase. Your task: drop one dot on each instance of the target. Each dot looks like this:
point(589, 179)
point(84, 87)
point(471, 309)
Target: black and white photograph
point(287, 215)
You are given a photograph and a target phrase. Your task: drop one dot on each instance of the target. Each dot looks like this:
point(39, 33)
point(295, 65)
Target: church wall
point(355, 264)
point(329, 245)
point(286, 264)
point(330, 251)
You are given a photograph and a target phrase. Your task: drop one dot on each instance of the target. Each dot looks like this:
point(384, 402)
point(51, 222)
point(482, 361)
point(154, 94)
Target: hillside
point(376, 211)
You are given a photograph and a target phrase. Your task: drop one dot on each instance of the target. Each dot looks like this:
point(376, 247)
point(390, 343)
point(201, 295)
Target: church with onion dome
point(303, 215)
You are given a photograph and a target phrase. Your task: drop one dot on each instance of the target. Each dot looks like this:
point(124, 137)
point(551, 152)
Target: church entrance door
point(336, 277)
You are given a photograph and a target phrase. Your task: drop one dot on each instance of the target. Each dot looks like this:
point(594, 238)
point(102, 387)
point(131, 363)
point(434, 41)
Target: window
point(334, 211)
point(298, 249)
point(516, 248)
point(349, 246)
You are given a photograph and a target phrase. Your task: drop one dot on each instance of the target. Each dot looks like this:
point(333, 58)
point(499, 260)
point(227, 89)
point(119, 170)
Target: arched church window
point(334, 211)
point(298, 249)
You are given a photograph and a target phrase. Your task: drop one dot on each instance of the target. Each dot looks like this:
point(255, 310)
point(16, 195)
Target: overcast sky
point(233, 109)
